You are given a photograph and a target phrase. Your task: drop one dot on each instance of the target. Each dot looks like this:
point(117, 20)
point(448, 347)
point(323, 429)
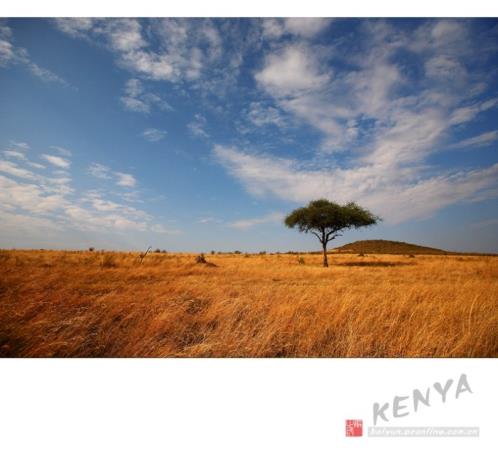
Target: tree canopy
point(327, 219)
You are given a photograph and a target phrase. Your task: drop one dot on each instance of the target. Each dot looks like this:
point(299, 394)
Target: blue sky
point(201, 134)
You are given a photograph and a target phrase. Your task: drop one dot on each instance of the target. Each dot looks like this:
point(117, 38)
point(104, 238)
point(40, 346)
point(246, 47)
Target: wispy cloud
point(62, 150)
point(57, 161)
point(245, 224)
point(153, 134)
point(468, 112)
point(261, 114)
point(20, 145)
point(104, 172)
point(398, 194)
point(137, 99)
point(99, 171)
point(14, 170)
point(306, 27)
point(14, 154)
point(52, 203)
point(205, 53)
point(208, 220)
point(125, 180)
point(373, 106)
point(45, 75)
point(484, 139)
point(10, 54)
point(185, 45)
point(198, 126)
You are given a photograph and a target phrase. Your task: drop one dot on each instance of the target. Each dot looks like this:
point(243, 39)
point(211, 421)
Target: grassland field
point(109, 304)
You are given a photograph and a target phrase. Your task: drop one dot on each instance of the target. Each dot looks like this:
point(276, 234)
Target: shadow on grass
point(385, 264)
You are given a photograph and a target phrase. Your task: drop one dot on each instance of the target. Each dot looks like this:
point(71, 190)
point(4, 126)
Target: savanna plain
point(111, 304)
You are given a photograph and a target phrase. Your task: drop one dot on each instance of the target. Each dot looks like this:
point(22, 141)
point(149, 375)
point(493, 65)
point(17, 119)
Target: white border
point(252, 8)
point(235, 407)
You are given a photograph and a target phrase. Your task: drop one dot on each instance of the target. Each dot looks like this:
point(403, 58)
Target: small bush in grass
point(108, 260)
point(237, 252)
point(200, 259)
point(91, 249)
point(157, 251)
point(4, 256)
point(300, 260)
point(213, 252)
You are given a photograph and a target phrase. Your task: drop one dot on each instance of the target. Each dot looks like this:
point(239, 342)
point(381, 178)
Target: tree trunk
point(325, 260)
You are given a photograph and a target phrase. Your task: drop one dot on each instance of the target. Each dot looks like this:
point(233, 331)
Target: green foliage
point(326, 220)
point(326, 216)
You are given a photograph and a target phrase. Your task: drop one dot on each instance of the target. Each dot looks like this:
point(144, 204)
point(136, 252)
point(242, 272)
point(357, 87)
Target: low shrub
point(108, 260)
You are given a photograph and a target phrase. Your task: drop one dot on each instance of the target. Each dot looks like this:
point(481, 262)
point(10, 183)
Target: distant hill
point(381, 246)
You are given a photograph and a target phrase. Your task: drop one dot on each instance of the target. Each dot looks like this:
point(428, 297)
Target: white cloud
point(207, 220)
point(185, 45)
point(104, 172)
point(6, 53)
point(260, 115)
point(76, 26)
point(137, 99)
point(397, 194)
point(153, 134)
point(294, 77)
point(125, 180)
point(467, 113)
point(100, 171)
point(14, 154)
point(36, 165)
point(28, 226)
point(124, 35)
point(445, 68)
point(484, 139)
point(20, 145)
point(198, 126)
point(372, 108)
point(15, 55)
point(12, 169)
point(134, 104)
point(51, 202)
point(45, 75)
point(245, 224)
point(57, 161)
point(306, 27)
point(409, 139)
point(291, 71)
point(40, 196)
point(62, 151)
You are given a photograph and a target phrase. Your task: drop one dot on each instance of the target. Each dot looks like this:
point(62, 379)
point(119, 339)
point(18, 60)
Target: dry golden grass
point(94, 304)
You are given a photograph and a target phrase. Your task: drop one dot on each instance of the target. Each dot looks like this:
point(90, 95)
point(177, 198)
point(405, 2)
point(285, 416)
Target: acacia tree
point(326, 220)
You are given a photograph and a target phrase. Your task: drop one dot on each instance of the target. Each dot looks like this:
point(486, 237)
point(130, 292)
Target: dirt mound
point(385, 247)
